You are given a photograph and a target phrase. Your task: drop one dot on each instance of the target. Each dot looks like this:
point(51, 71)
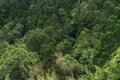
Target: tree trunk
point(44, 75)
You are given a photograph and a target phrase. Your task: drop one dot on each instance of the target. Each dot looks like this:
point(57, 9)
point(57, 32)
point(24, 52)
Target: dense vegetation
point(59, 39)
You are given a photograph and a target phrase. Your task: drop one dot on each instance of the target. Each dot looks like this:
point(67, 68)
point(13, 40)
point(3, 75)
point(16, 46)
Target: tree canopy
point(59, 39)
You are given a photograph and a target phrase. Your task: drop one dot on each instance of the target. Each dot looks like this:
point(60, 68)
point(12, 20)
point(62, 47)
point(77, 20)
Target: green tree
point(42, 41)
point(16, 61)
point(85, 47)
point(112, 67)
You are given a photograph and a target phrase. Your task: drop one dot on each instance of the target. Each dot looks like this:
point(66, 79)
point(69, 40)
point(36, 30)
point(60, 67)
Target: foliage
point(16, 61)
point(59, 39)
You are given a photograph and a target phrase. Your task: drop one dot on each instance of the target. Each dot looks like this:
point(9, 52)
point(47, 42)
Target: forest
point(59, 39)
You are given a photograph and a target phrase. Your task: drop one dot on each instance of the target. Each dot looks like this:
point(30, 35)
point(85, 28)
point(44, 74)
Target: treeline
point(59, 39)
